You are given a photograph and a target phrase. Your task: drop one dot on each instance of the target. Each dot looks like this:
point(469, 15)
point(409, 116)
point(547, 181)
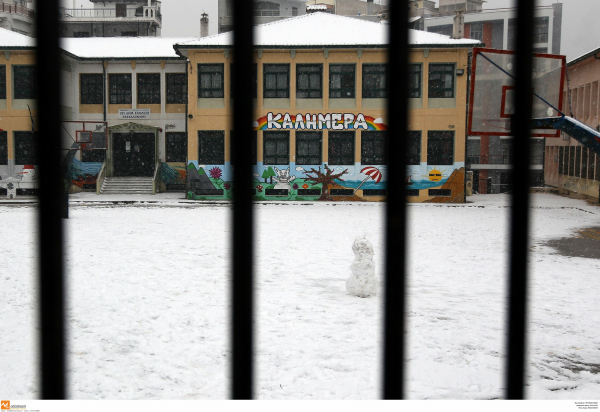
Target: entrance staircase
point(126, 185)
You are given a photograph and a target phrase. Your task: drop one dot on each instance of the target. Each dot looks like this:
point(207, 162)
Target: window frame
point(3, 148)
point(2, 82)
point(148, 93)
point(440, 136)
point(177, 96)
point(368, 137)
point(120, 81)
point(276, 136)
point(31, 158)
point(87, 92)
point(212, 139)
point(337, 140)
point(169, 155)
point(211, 92)
point(310, 91)
point(435, 91)
point(276, 90)
point(381, 91)
point(414, 136)
point(24, 93)
point(93, 156)
point(341, 90)
point(313, 139)
point(415, 93)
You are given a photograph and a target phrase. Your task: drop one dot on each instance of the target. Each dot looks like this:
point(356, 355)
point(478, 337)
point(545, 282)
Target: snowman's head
point(362, 247)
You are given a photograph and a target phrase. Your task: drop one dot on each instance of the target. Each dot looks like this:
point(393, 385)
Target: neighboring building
point(570, 165)
point(490, 157)
point(264, 12)
point(115, 18)
point(17, 16)
point(139, 87)
point(370, 10)
point(321, 101)
point(17, 96)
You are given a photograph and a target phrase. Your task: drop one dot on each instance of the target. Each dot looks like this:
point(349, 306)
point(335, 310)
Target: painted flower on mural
point(259, 188)
point(304, 186)
point(295, 186)
point(227, 186)
point(215, 173)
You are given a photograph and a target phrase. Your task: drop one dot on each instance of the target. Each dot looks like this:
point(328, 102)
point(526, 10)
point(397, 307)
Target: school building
point(320, 90)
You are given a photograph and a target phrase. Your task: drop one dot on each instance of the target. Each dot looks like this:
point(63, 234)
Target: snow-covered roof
point(11, 40)
point(326, 30)
point(122, 47)
point(585, 56)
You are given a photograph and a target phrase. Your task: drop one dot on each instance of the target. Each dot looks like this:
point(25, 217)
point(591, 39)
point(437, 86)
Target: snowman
point(362, 282)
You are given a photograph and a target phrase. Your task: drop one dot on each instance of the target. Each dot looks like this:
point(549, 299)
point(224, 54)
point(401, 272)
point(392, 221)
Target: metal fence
point(50, 229)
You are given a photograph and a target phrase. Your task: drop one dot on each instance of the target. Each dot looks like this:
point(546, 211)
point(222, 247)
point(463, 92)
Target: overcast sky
point(580, 31)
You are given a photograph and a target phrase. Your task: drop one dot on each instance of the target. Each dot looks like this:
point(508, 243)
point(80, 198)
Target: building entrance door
point(134, 154)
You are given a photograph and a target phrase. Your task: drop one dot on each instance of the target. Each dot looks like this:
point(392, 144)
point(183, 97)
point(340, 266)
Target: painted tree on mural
point(268, 173)
point(326, 179)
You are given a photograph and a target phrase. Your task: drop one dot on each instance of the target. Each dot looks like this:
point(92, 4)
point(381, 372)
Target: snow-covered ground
point(148, 302)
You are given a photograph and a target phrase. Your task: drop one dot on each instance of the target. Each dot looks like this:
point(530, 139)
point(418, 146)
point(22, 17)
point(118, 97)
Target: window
point(578, 161)
point(537, 151)
point(413, 155)
point(277, 81)
point(176, 88)
point(309, 148)
point(561, 160)
point(176, 146)
point(210, 81)
point(341, 148)
point(121, 10)
point(540, 30)
point(148, 88)
point(2, 82)
point(25, 153)
point(276, 148)
point(477, 31)
point(93, 156)
point(512, 34)
point(119, 88)
point(92, 90)
point(591, 163)
point(342, 81)
point(294, 11)
point(254, 83)
point(3, 148)
point(473, 151)
point(414, 79)
point(584, 162)
point(374, 81)
point(441, 81)
point(129, 34)
point(373, 148)
point(211, 147)
point(571, 161)
point(254, 147)
point(309, 81)
point(81, 34)
point(440, 148)
point(25, 82)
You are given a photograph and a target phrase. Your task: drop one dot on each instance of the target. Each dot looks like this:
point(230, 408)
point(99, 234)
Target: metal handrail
point(100, 178)
point(156, 178)
point(108, 14)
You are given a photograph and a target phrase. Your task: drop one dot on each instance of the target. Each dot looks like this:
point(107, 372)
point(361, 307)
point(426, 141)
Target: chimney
point(204, 25)
point(370, 7)
point(458, 26)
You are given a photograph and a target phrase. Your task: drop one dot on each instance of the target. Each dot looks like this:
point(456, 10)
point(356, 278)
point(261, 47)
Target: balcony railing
point(14, 9)
point(107, 14)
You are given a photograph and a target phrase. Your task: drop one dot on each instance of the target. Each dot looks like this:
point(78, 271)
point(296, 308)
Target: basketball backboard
point(89, 135)
point(491, 102)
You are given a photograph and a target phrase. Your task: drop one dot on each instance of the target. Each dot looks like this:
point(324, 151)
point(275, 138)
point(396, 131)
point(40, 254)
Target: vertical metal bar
point(519, 225)
point(50, 230)
point(395, 249)
point(243, 220)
